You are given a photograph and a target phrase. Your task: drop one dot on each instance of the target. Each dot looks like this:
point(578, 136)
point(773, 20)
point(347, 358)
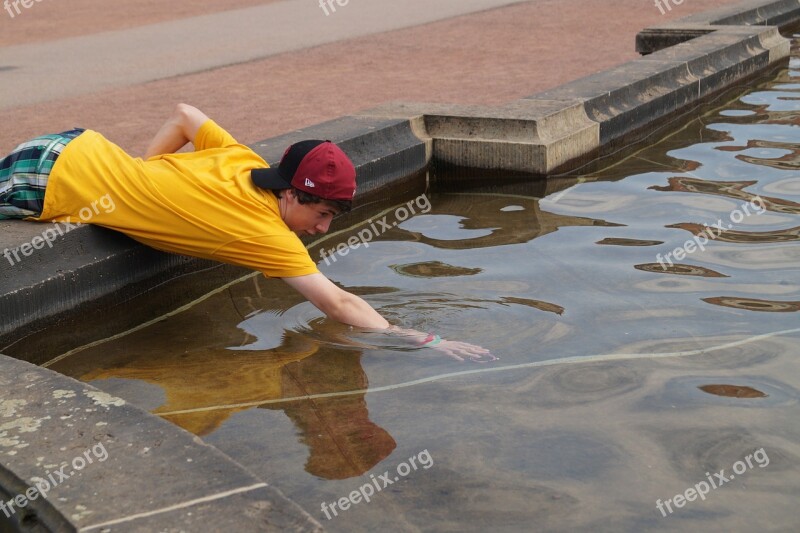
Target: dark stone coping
point(127, 469)
point(775, 13)
point(148, 467)
point(633, 96)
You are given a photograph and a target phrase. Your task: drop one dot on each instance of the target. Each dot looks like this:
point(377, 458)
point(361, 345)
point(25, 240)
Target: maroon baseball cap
point(317, 167)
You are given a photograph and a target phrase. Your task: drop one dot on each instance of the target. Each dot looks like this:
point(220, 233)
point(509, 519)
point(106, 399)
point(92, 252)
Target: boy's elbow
point(184, 110)
point(190, 119)
point(185, 114)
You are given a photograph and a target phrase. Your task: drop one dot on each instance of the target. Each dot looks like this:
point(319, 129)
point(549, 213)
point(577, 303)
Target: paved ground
point(490, 56)
point(198, 43)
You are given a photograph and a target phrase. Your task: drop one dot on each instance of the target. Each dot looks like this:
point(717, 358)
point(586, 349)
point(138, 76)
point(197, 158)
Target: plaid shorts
point(24, 173)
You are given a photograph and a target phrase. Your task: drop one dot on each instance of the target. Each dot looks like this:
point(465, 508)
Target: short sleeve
point(211, 135)
point(276, 256)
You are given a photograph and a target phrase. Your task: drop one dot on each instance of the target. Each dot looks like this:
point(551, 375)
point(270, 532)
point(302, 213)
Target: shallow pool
point(646, 323)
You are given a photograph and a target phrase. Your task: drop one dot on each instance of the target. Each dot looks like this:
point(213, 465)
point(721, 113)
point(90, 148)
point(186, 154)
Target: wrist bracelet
point(430, 340)
point(436, 340)
point(427, 339)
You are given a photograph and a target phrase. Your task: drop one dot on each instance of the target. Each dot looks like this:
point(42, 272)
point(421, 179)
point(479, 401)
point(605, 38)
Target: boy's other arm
point(179, 129)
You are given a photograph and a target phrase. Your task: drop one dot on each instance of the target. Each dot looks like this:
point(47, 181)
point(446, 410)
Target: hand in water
point(456, 349)
point(463, 350)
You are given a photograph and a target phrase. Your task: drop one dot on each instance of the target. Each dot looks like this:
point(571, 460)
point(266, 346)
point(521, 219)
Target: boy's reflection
point(205, 382)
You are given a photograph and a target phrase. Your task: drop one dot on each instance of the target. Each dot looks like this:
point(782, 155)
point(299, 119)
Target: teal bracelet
point(436, 340)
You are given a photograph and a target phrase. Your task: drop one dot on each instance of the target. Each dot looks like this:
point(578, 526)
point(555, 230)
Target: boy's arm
point(179, 129)
point(351, 309)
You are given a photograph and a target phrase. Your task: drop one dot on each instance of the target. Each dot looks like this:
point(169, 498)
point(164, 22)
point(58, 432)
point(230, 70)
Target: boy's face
point(307, 219)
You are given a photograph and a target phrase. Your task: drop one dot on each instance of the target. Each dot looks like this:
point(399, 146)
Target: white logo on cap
point(309, 183)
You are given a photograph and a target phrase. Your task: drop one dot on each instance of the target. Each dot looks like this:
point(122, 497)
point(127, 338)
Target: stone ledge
point(83, 265)
point(769, 13)
point(638, 94)
point(528, 136)
point(135, 471)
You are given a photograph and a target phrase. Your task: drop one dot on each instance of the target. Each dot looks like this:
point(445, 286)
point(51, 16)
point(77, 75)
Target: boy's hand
point(456, 349)
point(463, 350)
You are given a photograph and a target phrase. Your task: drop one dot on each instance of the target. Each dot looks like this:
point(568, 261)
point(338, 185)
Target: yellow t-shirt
point(200, 203)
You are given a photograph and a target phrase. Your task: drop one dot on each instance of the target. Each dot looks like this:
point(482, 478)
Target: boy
point(220, 202)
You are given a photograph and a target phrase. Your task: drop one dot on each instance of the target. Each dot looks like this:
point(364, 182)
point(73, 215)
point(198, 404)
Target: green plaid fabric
point(24, 173)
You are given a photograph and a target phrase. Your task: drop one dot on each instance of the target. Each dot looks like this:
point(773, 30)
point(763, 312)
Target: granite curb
point(774, 13)
point(75, 458)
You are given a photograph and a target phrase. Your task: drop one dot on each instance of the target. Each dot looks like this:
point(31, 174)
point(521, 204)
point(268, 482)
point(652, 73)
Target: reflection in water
point(736, 113)
point(198, 359)
point(787, 186)
point(342, 441)
point(616, 241)
point(439, 304)
point(433, 269)
point(501, 226)
point(752, 304)
point(536, 304)
point(786, 161)
point(731, 235)
point(683, 270)
point(730, 189)
point(733, 391)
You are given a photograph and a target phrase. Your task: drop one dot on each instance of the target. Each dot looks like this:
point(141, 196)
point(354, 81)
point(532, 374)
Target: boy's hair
point(341, 206)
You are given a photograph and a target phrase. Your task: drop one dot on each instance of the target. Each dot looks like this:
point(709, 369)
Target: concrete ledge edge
point(110, 450)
